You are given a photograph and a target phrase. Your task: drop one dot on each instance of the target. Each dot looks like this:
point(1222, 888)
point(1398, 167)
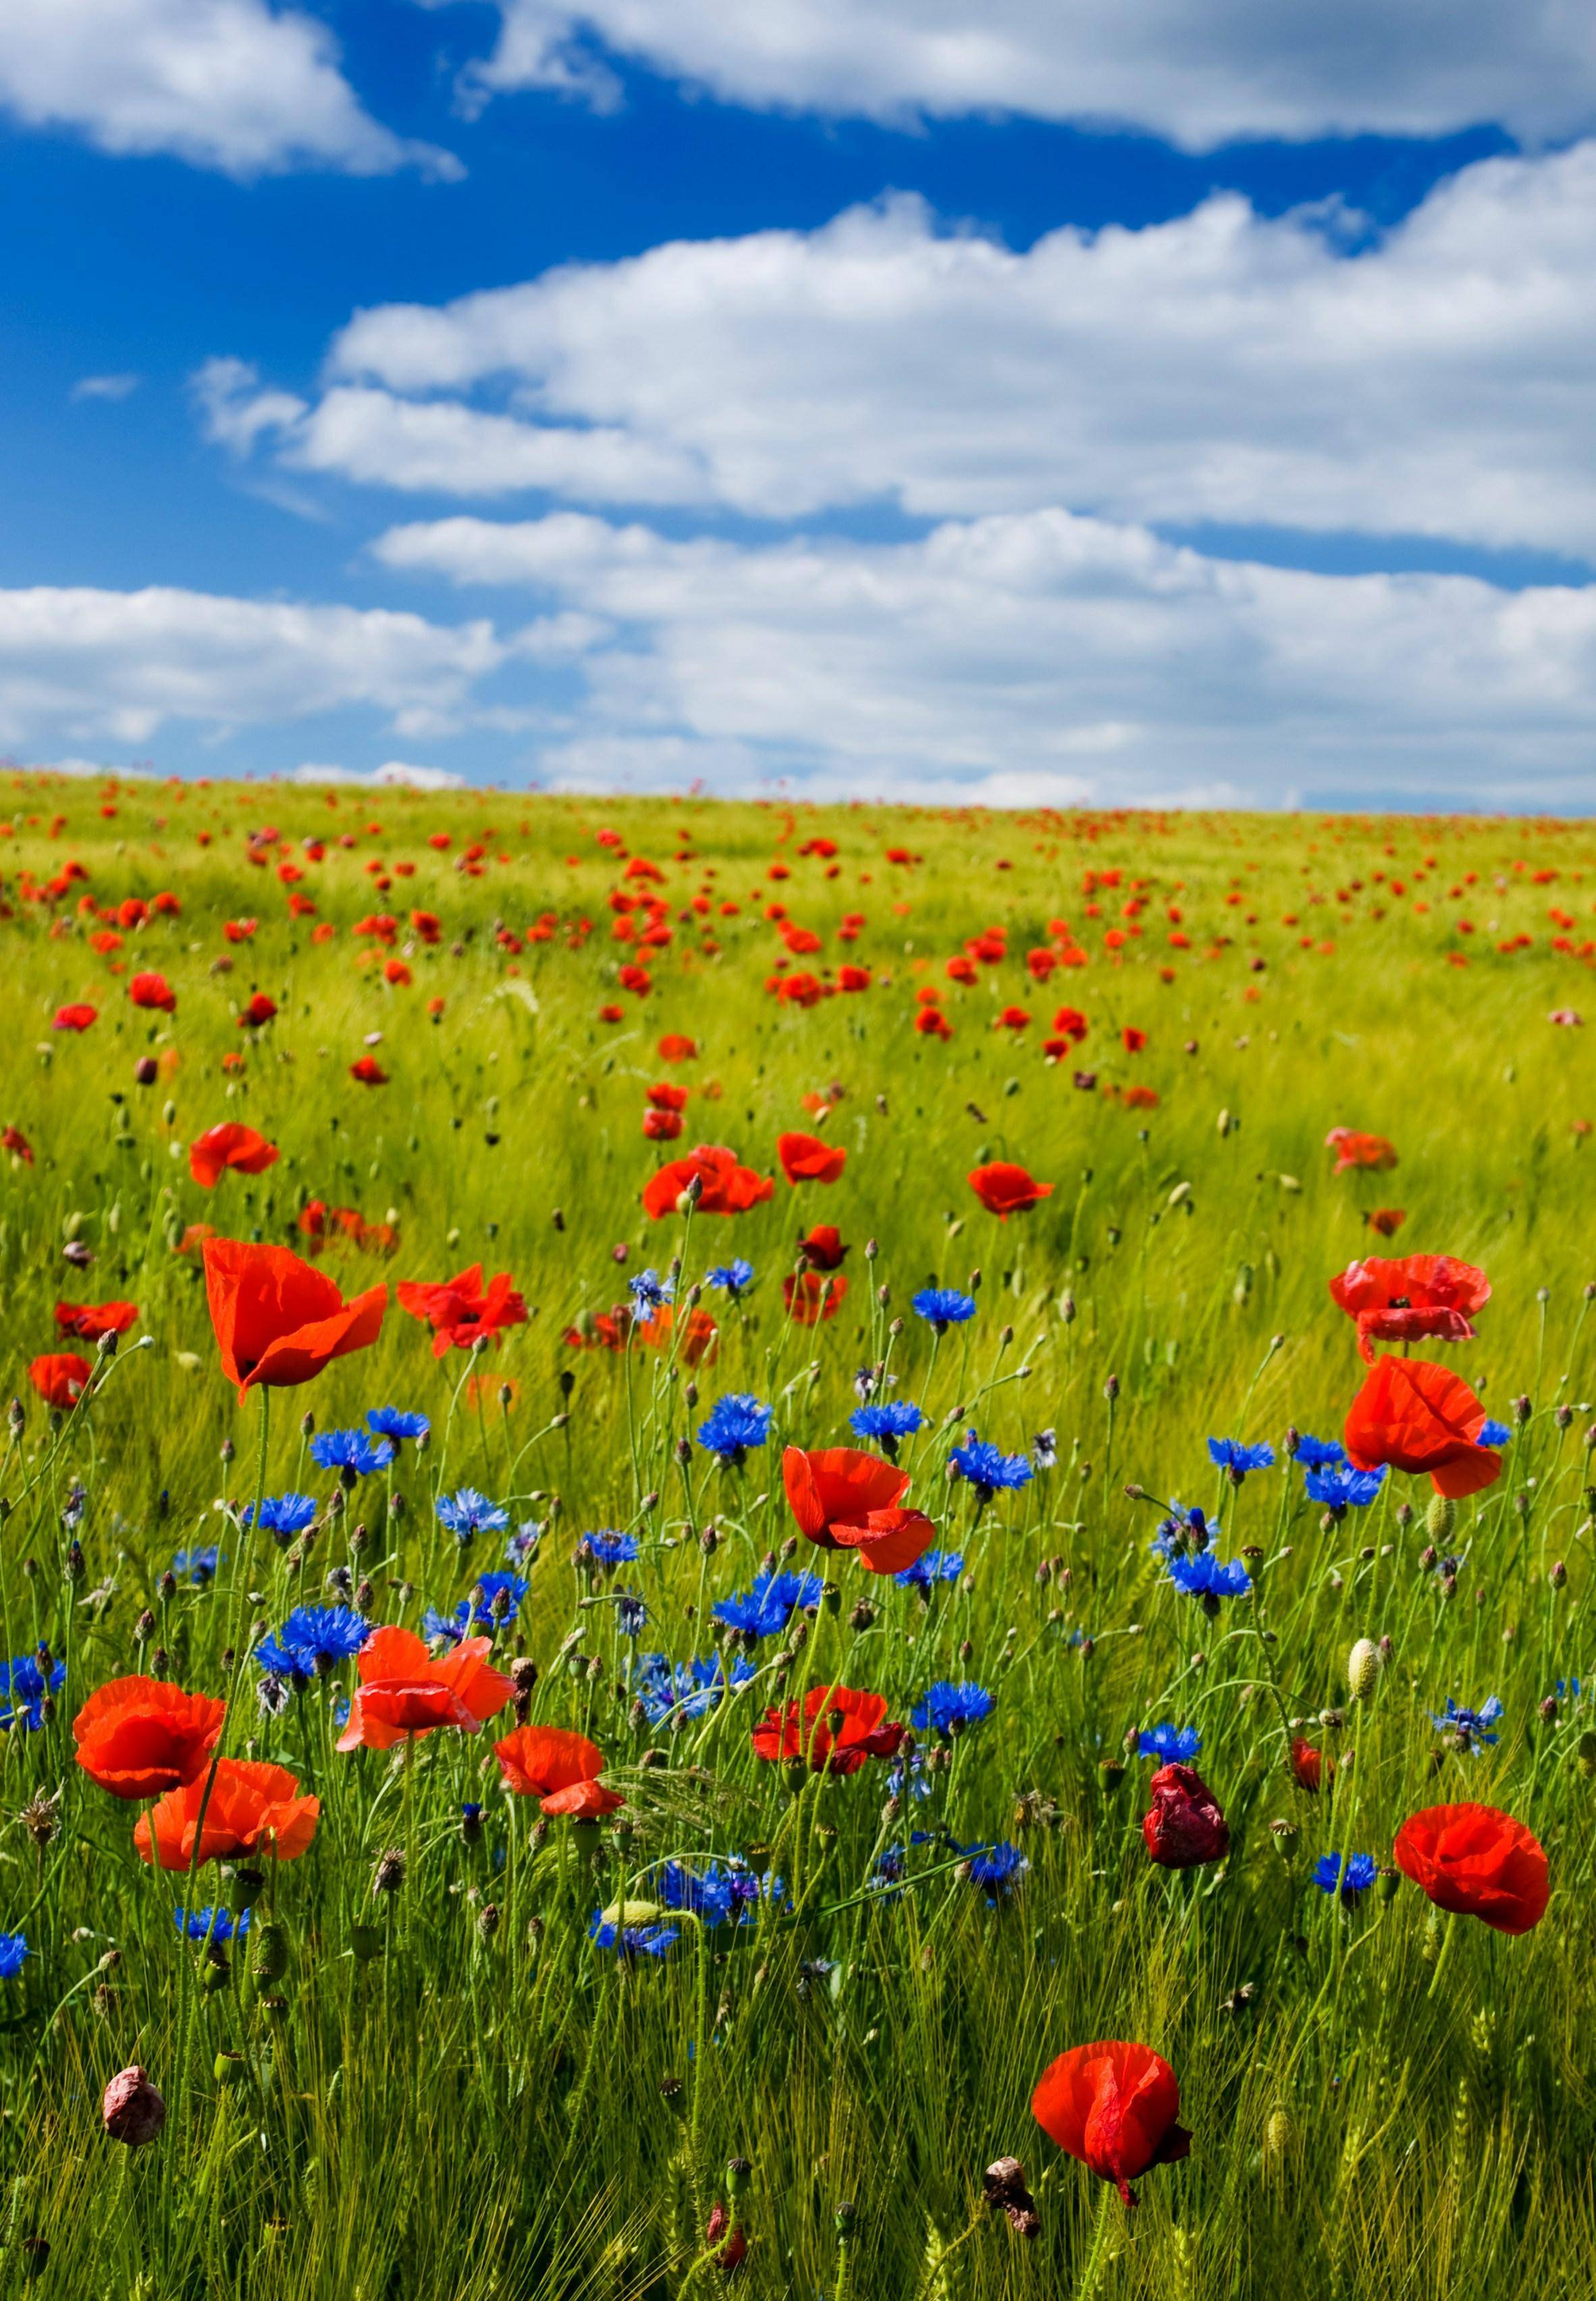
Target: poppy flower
point(403, 1690)
point(837, 1729)
point(259, 1012)
point(806, 1159)
point(1005, 1190)
point(835, 1492)
point(699, 1338)
point(277, 1321)
point(89, 1320)
point(139, 1737)
point(1114, 2106)
point(369, 1072)
point(61, 1377)
point(1133, 1040)
point(932, 1023)
point(726, 1188)
point(249, 1807)
point(152, 990)
point(1070, 1023)
point(676, 1047)
point(1354, 1151)
point(1184, 1826)
point(1477, 1861)
point(1409, 1299)
point(664, 1096)
point(661, 1126)
point(15, 1140)
point(229, 1145)
point(821, 1247)
point(1417, 1417)
point(811, 1297)
point(1309, 1766)
point(1387, 1220)
point(460, 1309)
point(74, 1018)
point(559, 1767)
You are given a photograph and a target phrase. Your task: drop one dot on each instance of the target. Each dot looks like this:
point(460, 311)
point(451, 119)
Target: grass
point(451, 2090)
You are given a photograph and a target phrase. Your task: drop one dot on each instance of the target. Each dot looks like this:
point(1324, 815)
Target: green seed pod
point(366, 1941)
point(1363, 1670)
point(269, 1952)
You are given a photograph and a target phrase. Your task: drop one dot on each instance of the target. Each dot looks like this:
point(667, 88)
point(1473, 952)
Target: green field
point(450, 2090)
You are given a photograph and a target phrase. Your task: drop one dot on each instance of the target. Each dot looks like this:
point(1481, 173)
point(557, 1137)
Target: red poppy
point(806, 1159)
point(676, 1047)
point(812, 1297)
point(1070, 1023)
point(1184, 1826)
point(259, 1011)
point(1133, 1040)
point(249, 1807)
point(1114, 2106)
point(699, 1338)
point(661, 1126)
point(229, 1145)
point(821, 1247)
point(369, 1072)
point(460, 1309)
point(1309, 1766)
point(727, 1188)
point(1005, 1190)
point(403, 1690)
point(74, 1018)
point(664, 1096)
point(61, 1377)
point(1353, 1150)
point(139, 1736)
point(838, 1729)
point(89, 1320)
point(1011, 1018)
point(1387, 1220)
point(277, 1321)
point(597, 1330)
point(559, 1767)
point(152, 990)
point(838, 1488)
point(1477, 1861)
point(932, 1023)
point(15, 1140)
point(1417, 1417)
point(1411, 1299)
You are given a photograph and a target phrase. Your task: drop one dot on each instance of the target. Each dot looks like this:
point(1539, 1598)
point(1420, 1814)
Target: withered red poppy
point(89, 1320)
point(404, 1690)
point(821, 1247)
point(1114, 2106)
point(726, 1188)
point(460, 1310)
point(811, 1296)
point(1477, 1861)
point(229, 1145)
point(1354, 1151)
point(1420, 1417)
point(559, 1767)
point(1410, 1297)
point(152, 990)
point(1005, 1190)
point(277, 1321)
point(249, 1807)
point(838, 1729)
point(1184, 1825)
point(61, 1377)
point(139, 1736)
point(806, 1159)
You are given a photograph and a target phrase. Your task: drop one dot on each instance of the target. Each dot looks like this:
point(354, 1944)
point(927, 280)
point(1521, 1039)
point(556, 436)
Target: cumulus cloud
point(1225, 367)
point(394, 774)
point(104, 387)
point(1197, 75)
point(242, 85)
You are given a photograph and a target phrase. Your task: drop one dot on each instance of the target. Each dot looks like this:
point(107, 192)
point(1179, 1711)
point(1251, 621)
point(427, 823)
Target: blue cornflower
point(13, 1949)
point(766, 1609)
point(608, 1549)
point(716, 1896)
point(477, 1612)
point(893, 1860)
point(283, 1515)
point(466, 1512)
point(1172, 1745)
point(1468, 1725)
point(1230, 1454)
point(736, 1422)
point(24, 1685)
point(392, 1422)
point(987, 1469)
point(734, 1277)
point(1318, 1453)
point(1203, 1576)
point(1494, 1433)
point(631, 1941)
point(352, 1454)
point(946, 1708)
point(649, 1292)
point(912, 1777)
point(1343, 1488)
point(314, 1641)
point(943, 1307)
point(1358, 1874)
point(691, 1689)
point(209, 1925)
point(932, 1566)
point(632, 1614)
point(522, 1548)
point(998, 1867)
point(197, 1565)
point(891, 1422)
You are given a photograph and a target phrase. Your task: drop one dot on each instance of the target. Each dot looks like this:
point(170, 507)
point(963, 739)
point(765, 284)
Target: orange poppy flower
point(1115, 2107)
point(277, 1321)
point(806, 1159)
point(1477, 1861)
point(229, 1145)
point(837, 1729)
point(1354, 1151)
point(559, 1767)
point(250, 1808)
point(61, 1377)
point(1410, 1297)
point(139, 1736)
point(89, 1320)
point(810, 1298)
point(404, 1690)
point(1005, 1190)
point(727, 1188)
point(1418, 1417)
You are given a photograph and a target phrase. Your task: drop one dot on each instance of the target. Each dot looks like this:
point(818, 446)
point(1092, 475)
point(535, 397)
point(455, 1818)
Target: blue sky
point(823, 413)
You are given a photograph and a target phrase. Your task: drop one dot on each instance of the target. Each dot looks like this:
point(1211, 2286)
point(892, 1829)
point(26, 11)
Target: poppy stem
point(1446, 1939)
point(1087, 2285)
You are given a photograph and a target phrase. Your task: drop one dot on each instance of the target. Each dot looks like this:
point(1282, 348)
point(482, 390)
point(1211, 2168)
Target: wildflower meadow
point(832, 1552)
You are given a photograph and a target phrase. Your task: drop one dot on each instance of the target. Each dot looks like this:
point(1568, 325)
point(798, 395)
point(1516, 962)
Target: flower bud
point(1440, 1517)
point(133, 2111)
point(1363, 1665)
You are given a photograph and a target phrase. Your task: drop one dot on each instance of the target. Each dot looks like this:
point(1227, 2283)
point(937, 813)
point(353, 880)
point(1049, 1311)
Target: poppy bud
point(1440, 1517)
point(487, 1918)
point(1184, 1826)
point(1558, 1576)
point(1363, 1670)
point(1111, 1388)
point(133, 2110)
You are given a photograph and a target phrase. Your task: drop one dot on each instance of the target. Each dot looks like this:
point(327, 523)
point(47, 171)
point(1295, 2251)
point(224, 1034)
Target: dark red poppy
point(559, 1767)
point(460, 1309)
point(61, 1377)
point(1387, 1220)
point(726, 1188)
point(15, 1140)
point(89, 1320)
point(368, 1072)
point(1413, 1297)
point(1115, 2107)
point(78, 1017)
point(1005, 1190)
point(806, 1159)
point(152, 990)
point(277, 1321)
point(249, 1807)
point(1353, 1150)
point(1133, 1040)
point(1477, 1861)
point(260, 1010)
point(1184, 1826)
point(1420, 1417)
point(811, 1296)
point(837, 1729)
point(1309, 1767)
point(403, 1690)
point(229, 1145)
point(821, 1247)
point(140, 1737)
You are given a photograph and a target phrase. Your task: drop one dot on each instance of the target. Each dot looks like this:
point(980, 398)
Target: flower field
point(829, 1552)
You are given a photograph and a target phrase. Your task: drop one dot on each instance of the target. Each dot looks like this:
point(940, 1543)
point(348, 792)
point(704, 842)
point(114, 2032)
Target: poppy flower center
point(1401, 1302)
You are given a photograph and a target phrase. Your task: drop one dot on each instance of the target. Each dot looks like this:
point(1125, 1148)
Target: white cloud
point(104, 387)
point(1042, 652)
point(1197, 75)
point(238, 85)
point(394, 774)
point(120, 664)
point(1223, 367)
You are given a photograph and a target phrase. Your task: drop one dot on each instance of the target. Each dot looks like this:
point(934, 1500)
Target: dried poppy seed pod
point(133, 2110)
point(1440, 1517)
point(1363, 1665)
